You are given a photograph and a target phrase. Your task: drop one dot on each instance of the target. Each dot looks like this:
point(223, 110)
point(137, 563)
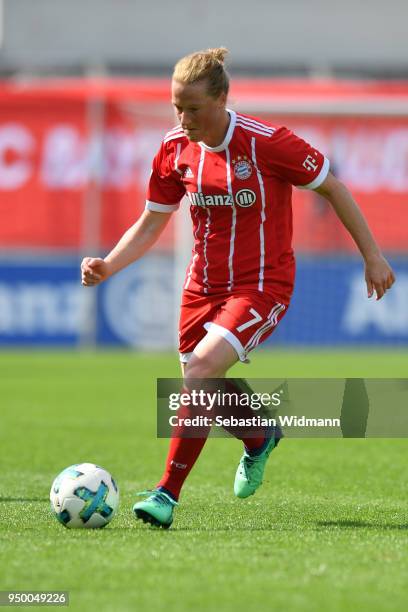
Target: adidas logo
point(188, 173)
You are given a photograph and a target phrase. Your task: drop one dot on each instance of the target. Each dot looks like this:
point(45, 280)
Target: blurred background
point(84, 104)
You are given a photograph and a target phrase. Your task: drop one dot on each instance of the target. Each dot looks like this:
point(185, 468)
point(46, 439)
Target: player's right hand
point(94, 270)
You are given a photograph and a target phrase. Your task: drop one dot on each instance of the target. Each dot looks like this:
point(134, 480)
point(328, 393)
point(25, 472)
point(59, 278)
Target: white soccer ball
point(84, 495)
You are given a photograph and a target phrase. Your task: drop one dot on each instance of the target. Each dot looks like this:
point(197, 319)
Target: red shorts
point(245, 319)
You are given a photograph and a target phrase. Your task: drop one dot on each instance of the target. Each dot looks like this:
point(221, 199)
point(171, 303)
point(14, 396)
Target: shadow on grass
point(345, 524)
point(193, 529)
point(23, 499)
point(277, 527)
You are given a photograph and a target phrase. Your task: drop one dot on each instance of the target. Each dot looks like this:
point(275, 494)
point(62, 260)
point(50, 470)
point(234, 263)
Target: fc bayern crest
point(242, 167)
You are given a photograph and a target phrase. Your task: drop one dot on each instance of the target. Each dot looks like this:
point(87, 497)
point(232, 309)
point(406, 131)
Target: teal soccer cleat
point(156, 509)
point(251, 470)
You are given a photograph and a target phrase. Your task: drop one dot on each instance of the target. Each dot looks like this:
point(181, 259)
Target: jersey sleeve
point(165, 188)
point(296, 161)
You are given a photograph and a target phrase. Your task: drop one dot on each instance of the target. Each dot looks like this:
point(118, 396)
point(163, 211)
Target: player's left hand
point(378, 275)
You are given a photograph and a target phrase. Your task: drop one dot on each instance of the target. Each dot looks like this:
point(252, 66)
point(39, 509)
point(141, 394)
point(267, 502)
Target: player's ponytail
point(204, 65)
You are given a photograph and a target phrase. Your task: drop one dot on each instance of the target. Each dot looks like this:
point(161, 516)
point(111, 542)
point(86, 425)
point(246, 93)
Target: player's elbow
point(331, 187)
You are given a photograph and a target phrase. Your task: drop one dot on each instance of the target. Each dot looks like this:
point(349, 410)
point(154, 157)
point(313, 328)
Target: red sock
point(252, 444)
point(183, 453)
point(257, 437)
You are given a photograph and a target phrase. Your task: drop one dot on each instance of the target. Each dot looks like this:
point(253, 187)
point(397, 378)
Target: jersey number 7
point(256, 318)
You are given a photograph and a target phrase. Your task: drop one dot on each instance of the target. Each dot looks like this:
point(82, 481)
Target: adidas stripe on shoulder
point(173, 134)
point(254, 126)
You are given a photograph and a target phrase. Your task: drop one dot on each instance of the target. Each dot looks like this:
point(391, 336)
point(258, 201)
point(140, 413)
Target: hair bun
point(218, 53)
point(204, 65)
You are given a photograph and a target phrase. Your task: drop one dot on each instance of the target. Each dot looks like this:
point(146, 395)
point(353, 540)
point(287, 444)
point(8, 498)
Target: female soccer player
point(237, 172)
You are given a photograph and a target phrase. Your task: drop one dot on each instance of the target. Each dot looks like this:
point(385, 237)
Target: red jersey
point(240, 203)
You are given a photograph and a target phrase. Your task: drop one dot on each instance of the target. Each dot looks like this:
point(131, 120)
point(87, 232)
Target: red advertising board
point(75, 156)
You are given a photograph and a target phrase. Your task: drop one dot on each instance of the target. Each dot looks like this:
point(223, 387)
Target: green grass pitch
point(327, 531)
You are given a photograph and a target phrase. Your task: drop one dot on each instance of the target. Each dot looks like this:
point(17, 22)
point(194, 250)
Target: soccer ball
point(84, 495)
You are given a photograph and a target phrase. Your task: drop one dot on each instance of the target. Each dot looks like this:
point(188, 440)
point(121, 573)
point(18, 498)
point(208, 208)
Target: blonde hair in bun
point(204, 65)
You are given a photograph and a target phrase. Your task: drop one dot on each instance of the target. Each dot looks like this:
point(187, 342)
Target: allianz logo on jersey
point(243, 198)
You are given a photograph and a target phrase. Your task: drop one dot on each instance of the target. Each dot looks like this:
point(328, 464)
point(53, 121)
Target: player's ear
point(222, 100)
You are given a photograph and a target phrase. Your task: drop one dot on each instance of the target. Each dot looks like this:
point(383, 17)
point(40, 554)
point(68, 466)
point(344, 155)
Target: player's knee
point(202, 368)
